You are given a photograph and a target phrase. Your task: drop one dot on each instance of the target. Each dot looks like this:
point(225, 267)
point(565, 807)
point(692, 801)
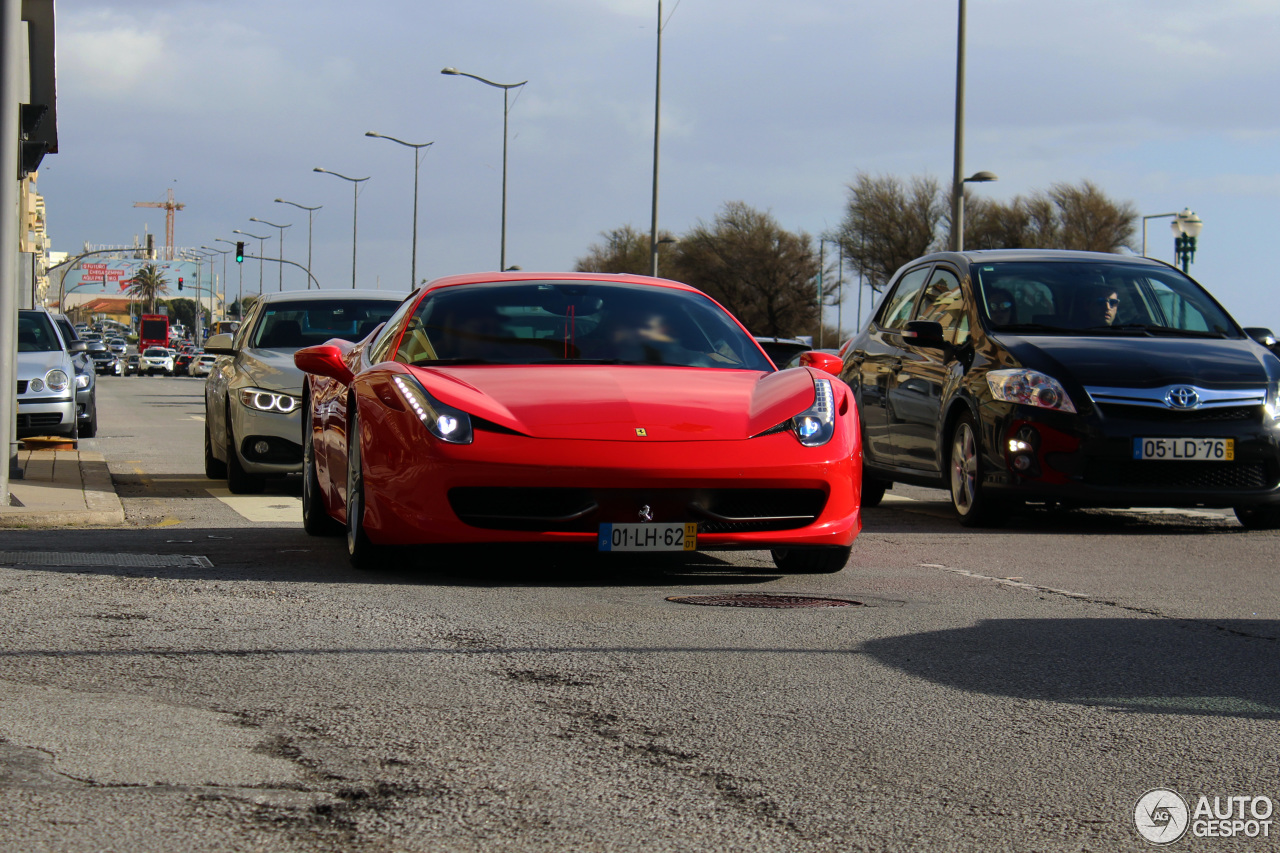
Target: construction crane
point(169, 207)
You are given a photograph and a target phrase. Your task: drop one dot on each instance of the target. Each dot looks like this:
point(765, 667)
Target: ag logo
point(1161, 816)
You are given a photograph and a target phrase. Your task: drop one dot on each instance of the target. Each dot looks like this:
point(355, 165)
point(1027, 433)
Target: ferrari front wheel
point(811, 561)
point(363, 553)
point(315, 515)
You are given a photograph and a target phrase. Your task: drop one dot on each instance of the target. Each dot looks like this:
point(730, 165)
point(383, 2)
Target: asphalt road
point(212, 679)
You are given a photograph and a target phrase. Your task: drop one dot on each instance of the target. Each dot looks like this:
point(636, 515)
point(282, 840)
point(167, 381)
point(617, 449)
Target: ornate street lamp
point(1186, 228)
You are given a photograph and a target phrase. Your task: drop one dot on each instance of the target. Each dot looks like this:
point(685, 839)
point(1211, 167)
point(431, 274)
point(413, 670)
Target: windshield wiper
point(1167, 331)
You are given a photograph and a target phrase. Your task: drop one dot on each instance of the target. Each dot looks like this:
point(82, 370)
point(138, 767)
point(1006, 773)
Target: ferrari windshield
point(583, 322)
point(1097, 297)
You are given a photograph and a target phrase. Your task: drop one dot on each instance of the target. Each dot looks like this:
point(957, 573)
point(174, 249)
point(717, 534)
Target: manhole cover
point(746, 599)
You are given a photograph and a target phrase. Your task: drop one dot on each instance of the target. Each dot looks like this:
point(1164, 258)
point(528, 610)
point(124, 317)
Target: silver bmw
point(253, 393)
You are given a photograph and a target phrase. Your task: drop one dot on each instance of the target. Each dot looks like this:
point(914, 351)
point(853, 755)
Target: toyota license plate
point(1185, 449)
point(649, 537)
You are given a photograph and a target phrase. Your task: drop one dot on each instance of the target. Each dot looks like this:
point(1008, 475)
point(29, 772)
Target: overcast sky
point(1167, 104)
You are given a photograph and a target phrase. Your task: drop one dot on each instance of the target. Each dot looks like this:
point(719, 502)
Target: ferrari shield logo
point(640, 432)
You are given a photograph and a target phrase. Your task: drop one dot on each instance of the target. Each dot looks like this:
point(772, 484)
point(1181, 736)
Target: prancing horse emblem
point(640, 432)
point(646, 514)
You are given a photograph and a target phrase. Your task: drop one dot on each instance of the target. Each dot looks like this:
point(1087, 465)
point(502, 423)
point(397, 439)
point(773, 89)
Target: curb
point(102, 505)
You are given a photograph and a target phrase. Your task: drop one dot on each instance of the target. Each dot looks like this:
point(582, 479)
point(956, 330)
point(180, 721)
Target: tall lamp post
point(657, 114)
point(279, 286)
point(240, 285)
point(1186, 228)
point(261, 252)
point(224, 253)
point(355, 214)
point(417, 159)
point(506, 110)
point(957, 183)
point(310, 211)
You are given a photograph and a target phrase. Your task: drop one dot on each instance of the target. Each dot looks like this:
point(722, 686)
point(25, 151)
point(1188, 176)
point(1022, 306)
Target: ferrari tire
point(974, 505)
point(214, 468)
point(364, 554)
point(811, 561)
point(316, 520)
point(240, 481)
point(1259, 517)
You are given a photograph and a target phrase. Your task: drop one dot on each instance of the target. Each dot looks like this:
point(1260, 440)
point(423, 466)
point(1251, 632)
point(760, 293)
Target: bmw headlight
point(816, 424)
point(1029, 388)
point(444, 422)
point(57, 380)
point(82, 380)
point(269, 401)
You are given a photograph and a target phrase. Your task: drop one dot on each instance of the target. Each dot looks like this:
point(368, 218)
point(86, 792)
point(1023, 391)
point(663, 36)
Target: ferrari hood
point(623, 402)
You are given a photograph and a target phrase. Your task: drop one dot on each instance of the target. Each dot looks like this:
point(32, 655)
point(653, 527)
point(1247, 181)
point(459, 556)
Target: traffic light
point(240, 252)
point(179, 282)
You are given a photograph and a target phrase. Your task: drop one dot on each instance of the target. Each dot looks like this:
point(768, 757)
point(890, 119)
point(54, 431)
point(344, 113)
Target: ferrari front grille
point(583, 510)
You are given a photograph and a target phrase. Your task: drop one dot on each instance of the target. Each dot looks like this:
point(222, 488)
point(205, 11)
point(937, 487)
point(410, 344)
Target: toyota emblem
point(1182, 397)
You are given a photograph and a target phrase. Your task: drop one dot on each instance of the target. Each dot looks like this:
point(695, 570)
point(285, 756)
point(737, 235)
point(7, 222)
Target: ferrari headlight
point(56, 380)
point(1029, 388)
point(444, 422)
point(816, 424)
point(269, 401)
point(82, 380)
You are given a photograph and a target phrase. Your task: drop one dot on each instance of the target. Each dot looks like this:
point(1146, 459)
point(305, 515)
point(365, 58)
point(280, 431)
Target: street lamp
point(417, 158)
point(224, 253)
point(310, 211)
point(279, 286)
point(355, 209)
point(1186, 228)
point(657, 113)
point(240, 285)
point(506, 109)
point(261, 252)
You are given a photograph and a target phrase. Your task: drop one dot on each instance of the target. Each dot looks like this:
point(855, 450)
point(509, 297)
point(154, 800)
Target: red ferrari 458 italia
point(621, 412)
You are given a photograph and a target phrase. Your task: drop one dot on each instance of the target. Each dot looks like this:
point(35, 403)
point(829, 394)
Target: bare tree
point(765, 275)
point(624, 250)
point(1066, 217)
point(888, 223)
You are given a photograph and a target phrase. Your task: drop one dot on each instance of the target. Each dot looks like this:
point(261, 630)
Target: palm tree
point(147, 285)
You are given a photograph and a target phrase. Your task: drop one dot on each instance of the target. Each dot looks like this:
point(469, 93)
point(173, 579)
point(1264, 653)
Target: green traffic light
point(240, 253)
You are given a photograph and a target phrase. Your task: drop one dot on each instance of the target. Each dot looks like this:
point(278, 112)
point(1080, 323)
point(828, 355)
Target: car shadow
point(937, 516)
point(1227, 668)
point(288, 555)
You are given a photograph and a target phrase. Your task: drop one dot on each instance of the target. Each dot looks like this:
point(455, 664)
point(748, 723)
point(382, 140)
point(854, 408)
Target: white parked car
point(156, 360)
point(202, 365)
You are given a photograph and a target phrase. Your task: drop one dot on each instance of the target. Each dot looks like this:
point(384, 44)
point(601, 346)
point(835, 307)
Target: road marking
point(196, 418)
point(262, 508)
point(167, 521)
point(1005, 581)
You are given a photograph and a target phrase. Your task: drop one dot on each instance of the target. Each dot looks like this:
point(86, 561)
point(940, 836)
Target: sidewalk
point(62, 488)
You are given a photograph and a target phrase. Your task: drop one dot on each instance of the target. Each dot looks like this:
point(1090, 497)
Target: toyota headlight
point(56, 380)
point(1029, 388)
point(815, 425)
point(269, 401)
point(444, 422)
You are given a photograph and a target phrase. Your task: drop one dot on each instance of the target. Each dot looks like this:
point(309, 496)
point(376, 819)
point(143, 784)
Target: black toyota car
point(1072, 378)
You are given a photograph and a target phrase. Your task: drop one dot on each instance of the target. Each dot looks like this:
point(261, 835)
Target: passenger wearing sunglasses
point(1103, 306)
